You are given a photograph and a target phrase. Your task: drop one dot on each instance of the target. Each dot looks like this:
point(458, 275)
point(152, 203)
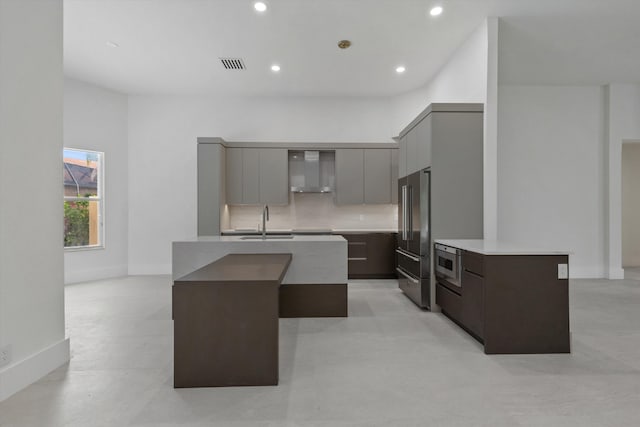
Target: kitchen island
point(512, 298)
point(315, 284)
point(226, 322)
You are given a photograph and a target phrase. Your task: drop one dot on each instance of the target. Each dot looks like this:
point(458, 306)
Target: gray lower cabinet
point(349, 176)
point(257, 176)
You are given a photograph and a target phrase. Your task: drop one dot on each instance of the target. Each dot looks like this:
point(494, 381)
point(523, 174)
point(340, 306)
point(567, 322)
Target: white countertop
point(494, 247)
point(269, 239)
point(302, 230)
point(317, 259)
point(365, 230)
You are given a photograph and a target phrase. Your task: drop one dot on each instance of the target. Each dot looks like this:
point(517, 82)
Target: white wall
point(470, 75)
point(31, 271)
point(622, 123)
point(162, 153)
point(551, 171)
point(631, 205)
point(463, 78)
point(96, 119)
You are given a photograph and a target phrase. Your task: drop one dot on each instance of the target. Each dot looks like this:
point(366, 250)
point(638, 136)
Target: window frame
point(100, 199)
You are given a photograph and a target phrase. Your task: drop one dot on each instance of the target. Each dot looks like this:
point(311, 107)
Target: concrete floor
point(388, 364)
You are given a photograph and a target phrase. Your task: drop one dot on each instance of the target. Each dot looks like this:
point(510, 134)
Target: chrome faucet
point(265, 218)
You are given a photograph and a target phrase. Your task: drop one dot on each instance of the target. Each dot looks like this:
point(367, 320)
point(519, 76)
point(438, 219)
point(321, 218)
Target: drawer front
point(357, 251)
point(449, 302)
point(473, 303)
point(408, 262)
point(473, 262)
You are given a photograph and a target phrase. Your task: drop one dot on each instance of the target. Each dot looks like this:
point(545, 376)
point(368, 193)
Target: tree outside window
point(83, 201)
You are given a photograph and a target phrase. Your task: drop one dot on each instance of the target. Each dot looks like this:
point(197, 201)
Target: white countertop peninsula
point(496, 247)
point(249, 231)
point(317, 259)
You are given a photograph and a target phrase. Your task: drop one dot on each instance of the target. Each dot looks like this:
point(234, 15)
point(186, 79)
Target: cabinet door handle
point(411, 279)
point(411, 257)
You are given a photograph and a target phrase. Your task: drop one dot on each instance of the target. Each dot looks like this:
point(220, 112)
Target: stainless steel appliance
point(448, 264)
point(414, 237)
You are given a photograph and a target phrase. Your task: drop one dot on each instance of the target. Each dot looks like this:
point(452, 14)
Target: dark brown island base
point(513, 301)
point(226, 318)
point(226, 322)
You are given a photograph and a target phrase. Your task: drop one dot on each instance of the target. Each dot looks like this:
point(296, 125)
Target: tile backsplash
point(316, 211)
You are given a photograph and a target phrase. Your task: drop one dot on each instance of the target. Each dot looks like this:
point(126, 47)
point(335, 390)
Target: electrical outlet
point(5, 355)
point(563, 271)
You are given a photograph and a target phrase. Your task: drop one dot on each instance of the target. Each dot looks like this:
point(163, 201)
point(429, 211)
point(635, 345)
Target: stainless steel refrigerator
point(414, 237)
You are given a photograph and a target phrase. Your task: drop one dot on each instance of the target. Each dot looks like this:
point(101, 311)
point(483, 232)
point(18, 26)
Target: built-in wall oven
point(448, 265)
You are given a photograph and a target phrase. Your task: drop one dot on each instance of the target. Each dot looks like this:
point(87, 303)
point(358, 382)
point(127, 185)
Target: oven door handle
point(411, 279)
point(411, 257)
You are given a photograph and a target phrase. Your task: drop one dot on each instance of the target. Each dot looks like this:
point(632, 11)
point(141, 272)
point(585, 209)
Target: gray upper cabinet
point(257, 176)
point(413, 161)
point(234, 176)
point(402, 157)
point(377, 176)
point(423, 138)
point(250, 176)
point(274, 176)
point(366, 176)
point(349, 176)
point(211, 170)
point(394, 176)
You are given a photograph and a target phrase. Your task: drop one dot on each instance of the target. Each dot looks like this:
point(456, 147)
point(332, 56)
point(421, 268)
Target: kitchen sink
point(266, 238)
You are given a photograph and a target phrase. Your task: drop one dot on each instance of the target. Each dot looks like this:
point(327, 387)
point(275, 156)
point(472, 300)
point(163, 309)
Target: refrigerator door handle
point(411, 257)
point(409, 223)
point(404, 212)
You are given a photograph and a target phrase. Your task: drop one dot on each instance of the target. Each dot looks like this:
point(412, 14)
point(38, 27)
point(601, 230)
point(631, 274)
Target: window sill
point(83, 248)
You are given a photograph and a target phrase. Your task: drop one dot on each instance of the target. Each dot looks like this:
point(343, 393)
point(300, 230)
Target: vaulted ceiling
point(175, 46)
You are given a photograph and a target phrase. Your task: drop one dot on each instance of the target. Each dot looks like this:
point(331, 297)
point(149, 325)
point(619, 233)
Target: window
point(83, 198)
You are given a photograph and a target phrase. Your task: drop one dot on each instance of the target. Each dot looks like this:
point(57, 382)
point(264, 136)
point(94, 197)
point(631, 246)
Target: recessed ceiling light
point(275, 68)
point(112, 44)
point(400, 69)
point(260, 6)
point(436, 11)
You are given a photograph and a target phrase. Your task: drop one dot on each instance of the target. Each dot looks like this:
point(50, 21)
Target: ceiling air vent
point(233, 63)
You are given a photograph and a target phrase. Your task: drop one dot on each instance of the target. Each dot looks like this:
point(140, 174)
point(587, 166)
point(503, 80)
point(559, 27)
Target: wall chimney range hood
point(311, 171)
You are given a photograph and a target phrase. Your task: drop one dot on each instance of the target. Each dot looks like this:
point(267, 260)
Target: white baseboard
point(19, 375)
point(149, 269)
point(589, 272)
point(76, 276)
point(616, 273)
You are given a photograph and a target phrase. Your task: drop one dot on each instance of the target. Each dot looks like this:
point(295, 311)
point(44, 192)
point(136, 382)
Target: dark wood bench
point(226, 322)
